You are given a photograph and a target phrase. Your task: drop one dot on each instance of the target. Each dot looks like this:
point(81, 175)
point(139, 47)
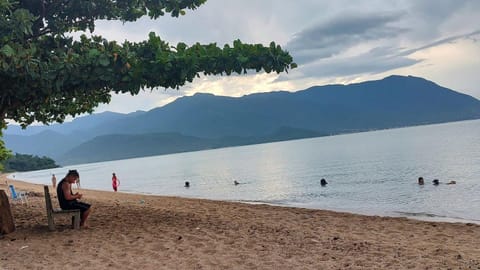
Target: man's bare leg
point(83, 220)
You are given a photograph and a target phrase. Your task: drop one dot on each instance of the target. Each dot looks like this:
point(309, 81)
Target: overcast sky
point(342, 41)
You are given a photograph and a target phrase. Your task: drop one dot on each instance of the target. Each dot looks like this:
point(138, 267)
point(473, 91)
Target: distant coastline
point(293, 139)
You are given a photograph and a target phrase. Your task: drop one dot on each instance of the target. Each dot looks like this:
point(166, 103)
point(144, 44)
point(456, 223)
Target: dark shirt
point(64, 203)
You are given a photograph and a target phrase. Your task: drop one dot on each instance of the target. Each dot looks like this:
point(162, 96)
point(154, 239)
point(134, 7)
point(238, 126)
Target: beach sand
point(131, 231)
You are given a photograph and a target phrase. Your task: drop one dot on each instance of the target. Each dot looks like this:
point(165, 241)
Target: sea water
point(372, 173)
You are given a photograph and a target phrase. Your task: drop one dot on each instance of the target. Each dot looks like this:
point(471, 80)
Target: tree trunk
point(6, 219)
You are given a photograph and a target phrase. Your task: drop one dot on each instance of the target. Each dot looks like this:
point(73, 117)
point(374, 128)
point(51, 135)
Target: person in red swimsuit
point(115, 182)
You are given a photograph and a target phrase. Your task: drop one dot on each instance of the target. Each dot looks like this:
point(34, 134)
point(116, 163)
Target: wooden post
point(49, 207)
point(7, 225)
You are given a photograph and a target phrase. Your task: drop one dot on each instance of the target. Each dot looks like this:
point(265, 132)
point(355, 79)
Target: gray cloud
point(442, 41)
point(363, 43)
point(377, 60)
point(335, 36)
point(368, 63)
point(430, 19)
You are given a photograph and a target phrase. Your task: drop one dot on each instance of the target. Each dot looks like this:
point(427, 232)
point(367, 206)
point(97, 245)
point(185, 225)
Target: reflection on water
point(370, 173)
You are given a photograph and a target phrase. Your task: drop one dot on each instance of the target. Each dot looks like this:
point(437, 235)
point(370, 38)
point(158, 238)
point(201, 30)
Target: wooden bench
point(51, 212)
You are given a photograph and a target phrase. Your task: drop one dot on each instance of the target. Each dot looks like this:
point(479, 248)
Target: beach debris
point(141, 201)
point(23, 247)
point(335, 238)
point(179, 238)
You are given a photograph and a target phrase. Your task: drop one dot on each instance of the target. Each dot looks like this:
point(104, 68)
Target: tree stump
point(6, 219)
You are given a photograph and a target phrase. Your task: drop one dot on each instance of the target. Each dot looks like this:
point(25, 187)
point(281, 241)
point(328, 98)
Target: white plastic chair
point(20, 195)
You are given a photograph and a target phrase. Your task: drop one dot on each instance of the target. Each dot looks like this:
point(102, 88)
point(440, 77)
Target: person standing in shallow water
point(54, 181)
point(69, 201)
point(115, 182)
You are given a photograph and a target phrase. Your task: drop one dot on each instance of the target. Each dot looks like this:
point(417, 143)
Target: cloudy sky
point(342, 41)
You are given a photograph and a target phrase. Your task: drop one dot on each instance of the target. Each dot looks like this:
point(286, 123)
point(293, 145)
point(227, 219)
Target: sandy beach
point(131, 231)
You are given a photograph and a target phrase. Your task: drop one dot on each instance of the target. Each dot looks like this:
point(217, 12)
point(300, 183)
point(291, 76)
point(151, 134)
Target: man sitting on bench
point(68, 200)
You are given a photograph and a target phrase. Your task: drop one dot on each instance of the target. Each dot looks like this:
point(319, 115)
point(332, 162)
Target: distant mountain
point(392, 102)
point(56, 139)
point(205, 120)
point(122, 146)
point(46, 143)
point(80, 124)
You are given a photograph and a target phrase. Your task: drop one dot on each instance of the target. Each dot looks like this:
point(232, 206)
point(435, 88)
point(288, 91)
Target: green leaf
point(93, 53)
point(104, 61)
point(7, 50)
point(242, 59)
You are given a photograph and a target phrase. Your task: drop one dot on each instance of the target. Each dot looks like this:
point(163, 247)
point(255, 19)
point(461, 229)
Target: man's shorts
point(77, 205)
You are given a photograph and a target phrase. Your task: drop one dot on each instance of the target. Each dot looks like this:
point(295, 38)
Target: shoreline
point(420, 216)
point(158, 232)
point(395, 214)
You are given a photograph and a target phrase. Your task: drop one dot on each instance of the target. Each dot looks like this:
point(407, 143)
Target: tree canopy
point(47, 75)
point(22, 163)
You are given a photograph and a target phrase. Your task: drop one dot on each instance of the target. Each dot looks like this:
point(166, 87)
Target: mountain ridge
point(395, 101)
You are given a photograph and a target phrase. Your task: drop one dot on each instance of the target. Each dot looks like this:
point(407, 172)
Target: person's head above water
point(436, 182)
point(323, 182)
point(187, 184)
point(420, 181)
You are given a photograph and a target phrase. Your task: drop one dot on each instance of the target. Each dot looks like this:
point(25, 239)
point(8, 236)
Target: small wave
point(436, 217)
point(419, 214)
point(270, 202)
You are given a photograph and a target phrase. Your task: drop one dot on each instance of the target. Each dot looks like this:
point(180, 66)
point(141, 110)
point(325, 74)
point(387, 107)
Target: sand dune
point(152, 232)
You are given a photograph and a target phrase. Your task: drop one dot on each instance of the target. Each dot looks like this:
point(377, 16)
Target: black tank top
point(61, 197)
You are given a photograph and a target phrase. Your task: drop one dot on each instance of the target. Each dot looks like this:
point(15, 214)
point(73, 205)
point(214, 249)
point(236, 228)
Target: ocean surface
point(373, 173)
